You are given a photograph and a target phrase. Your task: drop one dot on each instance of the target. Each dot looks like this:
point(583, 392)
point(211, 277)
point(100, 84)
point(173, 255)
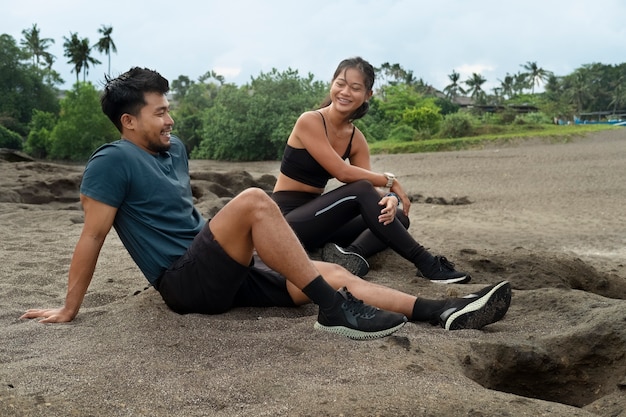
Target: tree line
point(219, 120)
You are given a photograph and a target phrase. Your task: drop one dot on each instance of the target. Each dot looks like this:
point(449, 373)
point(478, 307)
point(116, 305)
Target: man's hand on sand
point(48, 315)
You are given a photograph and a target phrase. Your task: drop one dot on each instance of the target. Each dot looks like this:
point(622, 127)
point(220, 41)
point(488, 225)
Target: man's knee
point(257, 198)
point(254, 194)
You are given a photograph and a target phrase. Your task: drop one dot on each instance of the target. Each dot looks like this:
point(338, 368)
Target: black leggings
point(348, 216)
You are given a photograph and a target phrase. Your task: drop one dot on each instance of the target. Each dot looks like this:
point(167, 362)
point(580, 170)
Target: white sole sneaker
point(475, 311)
point(352, 261)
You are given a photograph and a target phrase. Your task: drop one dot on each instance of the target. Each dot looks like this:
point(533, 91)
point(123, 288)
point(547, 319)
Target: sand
point(548, 217)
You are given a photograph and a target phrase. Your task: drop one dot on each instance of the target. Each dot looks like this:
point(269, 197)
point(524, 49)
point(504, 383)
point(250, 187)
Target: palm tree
point(536, 75)
point(395, 74)
point(506, 85)
point(618, 93)
point(72, 51)
point(453, 89)
point(475, 83)
point(520, 82)
point(578, 89)
point(498, 95)
point(36, 45)
point(105, 44)
point(78, 50)
point(207, 76)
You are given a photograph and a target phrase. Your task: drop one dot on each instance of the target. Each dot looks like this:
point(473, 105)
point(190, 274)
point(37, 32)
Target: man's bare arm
point(98, 221)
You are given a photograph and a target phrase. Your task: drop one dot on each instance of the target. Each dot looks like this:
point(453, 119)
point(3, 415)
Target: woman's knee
point(404, 219)
point(362, 186)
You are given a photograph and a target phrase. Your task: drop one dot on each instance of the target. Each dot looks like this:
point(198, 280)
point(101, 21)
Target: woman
point(355, 215)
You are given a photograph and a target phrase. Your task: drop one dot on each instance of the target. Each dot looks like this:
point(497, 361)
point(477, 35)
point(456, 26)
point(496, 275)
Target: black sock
point(320, 292)
point(427, 310)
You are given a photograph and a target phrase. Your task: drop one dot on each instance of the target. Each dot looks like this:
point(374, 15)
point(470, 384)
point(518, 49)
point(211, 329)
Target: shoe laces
point(443, 262)
point(357, 307)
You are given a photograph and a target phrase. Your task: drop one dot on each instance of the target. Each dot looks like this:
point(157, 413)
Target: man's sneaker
point(353, 318)
point(474, 311)
point(442, 271)
point(352, 261)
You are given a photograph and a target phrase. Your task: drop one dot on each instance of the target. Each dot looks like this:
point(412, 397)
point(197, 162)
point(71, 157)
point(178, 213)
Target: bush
point(10, 139)
point(81, 127)
point(457, 125)
point(508, 116)
point(489, 118)
point(424, 119)
point(535, 118)
point(402, 133)
point(38, 140)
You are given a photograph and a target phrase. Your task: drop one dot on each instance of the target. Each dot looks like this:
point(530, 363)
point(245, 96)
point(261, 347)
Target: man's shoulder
point(177, 144)
point(117, 147)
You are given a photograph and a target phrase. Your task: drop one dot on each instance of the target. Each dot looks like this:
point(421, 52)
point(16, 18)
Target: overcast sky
point(240, 39)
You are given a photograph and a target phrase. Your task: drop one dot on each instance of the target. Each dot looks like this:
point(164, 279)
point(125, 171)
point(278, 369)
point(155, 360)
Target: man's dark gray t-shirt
point(156, 219)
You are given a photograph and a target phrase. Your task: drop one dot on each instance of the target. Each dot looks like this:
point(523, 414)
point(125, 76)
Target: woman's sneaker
point(352, 318)
point(475, 311)
point(352, 261)
point(442, 271)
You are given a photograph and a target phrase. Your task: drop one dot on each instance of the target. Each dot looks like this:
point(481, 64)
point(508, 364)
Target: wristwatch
point(390, 179)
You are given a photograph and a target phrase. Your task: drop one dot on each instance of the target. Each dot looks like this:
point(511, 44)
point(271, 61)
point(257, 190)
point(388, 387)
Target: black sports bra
point(298, 164)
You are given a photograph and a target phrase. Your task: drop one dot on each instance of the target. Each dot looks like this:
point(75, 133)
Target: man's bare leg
point(374, 294)
point(251, 221)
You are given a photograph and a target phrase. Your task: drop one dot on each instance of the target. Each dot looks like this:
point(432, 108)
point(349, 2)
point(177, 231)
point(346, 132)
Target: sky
point(240, 39)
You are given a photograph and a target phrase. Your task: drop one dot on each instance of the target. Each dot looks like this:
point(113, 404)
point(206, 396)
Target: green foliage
point(509, 134)
point(38, 141)
point(446, 106)
point(82, 126)
point(10, 139)
point(374, 126)
point(253, 122)
point(395, 99)
point(224, 121)
point(457, 125)
point(507, 115)
point(400, 104)
point(489, 118)
point(21, 88)
point(403, 133)
point(180, 85)
point(425, 119)
point(534, 118)
point(192, 99)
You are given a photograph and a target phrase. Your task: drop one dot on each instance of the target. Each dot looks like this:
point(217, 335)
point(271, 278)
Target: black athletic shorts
point(207, 280)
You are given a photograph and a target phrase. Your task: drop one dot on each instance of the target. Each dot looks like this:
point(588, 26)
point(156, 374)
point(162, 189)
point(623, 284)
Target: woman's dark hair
point(125, 94)
point(369, 76)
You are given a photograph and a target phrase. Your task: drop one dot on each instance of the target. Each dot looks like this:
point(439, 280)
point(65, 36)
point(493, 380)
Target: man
point(140, 185)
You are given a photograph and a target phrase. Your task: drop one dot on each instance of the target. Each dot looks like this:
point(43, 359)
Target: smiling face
point(348, 90)
point(150, 129)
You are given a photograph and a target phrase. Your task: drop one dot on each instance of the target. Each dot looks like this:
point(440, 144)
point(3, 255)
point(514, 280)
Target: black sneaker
point(475, 311)
point(442, 271)
point(353, 318)
point(352, 261)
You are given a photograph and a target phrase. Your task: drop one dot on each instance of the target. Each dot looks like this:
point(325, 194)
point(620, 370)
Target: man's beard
point(159, 147)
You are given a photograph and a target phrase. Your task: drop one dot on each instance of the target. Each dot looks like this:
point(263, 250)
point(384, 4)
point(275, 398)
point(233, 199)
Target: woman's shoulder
point(311, 115)
point(309, 120)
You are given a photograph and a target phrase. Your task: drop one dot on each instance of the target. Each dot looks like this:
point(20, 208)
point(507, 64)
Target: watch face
point(390, 179)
